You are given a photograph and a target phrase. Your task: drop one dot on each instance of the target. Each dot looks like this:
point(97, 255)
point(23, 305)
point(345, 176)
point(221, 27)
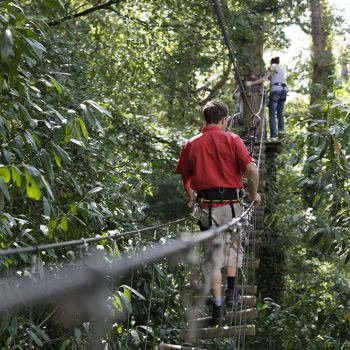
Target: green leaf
point(40, 332)
point(77, 142)
point(47, 165)
point(30, 140)
point(57, 84)
point(48, 188)
point(62, 154)
point(64, 344)
point(35, 338)
point(347, 258)
point(6, 47)
point(5, 174)
point(74, 208)
point(16, 176)
point(127, 293)
point(4, 189)
point(98, 107)
point(18, 145)
point(25, 112)
point(64, 224)
point(83, 127)
point(94, 190)
point(36, 47)
point(57, 159)
point(132, 290)
point(32, 171)
point(33, 190)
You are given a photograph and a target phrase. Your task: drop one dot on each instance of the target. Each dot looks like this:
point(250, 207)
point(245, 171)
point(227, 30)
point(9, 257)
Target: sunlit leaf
point(5, 173)
point(94, 190)
point(64, 224)
point(57, 159)
point(56, 84)
point(33, 190)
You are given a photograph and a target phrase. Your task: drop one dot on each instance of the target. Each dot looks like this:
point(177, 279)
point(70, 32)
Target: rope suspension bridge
point(91, 291)
point(107, 290)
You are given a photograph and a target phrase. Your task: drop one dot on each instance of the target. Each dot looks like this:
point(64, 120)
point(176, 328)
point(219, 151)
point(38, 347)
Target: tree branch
point(107, 5)
point(216, 88)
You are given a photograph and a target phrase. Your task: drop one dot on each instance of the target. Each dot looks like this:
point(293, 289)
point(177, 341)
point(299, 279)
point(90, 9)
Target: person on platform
point(212, 165)
point(277, 96)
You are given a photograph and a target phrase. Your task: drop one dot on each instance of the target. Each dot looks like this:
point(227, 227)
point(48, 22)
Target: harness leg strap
point(232, 210)
point(209, 216)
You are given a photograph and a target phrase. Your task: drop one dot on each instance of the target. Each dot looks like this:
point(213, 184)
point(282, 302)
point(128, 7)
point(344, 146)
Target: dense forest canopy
point(97, 98)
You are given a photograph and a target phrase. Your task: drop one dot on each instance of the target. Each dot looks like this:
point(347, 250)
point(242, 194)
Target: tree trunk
point(344, 72)
point(322, 59)
point(253, 67)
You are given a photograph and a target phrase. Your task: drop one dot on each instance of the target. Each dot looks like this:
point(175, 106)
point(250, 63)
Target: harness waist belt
point(280, 84)
point(218, 194)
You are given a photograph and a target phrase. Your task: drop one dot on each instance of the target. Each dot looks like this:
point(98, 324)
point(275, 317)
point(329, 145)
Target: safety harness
point(219, 195)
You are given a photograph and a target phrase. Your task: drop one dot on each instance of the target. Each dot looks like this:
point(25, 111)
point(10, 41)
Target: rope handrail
point(75, 278)
point(83, 241)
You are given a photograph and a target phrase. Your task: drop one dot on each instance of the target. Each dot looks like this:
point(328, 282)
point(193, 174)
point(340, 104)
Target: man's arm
point(189, 191)
point(253, 182)
point(184, 169)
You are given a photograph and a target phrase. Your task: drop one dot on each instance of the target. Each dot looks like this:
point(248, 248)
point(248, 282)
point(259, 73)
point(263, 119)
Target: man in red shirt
point(212, 164)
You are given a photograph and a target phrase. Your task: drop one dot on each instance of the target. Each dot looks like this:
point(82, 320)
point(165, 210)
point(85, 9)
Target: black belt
point(280, 84)
point(218, 194)
point(212, 195)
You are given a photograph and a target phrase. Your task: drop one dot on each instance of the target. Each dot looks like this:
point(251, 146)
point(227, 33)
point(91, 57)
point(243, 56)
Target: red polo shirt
point(214, 159)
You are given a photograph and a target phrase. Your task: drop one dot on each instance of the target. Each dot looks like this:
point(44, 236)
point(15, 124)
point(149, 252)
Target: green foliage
point(93, 111)
point(310, 222)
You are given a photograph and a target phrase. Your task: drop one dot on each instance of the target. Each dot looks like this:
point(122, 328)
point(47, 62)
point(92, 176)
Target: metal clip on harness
point(249, 140)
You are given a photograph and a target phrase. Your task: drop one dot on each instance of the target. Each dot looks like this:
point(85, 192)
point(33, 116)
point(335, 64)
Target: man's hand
point(253, 182)
point(256, 199)
point(248, 83)
point(190, 200)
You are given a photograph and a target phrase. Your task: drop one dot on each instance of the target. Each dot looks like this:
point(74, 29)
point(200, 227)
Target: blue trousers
point(276, 104)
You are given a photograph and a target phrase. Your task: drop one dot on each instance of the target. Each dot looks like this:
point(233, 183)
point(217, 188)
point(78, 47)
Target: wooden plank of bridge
point(231, 317)
point(247, 289)
point(164, 346)
point(247, 300)
point(220, 332)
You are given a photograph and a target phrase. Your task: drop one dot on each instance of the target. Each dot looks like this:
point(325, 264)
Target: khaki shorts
point(228, 250)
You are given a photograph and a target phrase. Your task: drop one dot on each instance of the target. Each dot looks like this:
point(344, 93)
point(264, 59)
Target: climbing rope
point(228, 42)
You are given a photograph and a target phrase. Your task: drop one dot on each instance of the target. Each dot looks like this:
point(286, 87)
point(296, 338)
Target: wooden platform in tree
point(274, 147)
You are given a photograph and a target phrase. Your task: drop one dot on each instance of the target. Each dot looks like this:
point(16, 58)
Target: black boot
point(219, 315)
point(232, 297)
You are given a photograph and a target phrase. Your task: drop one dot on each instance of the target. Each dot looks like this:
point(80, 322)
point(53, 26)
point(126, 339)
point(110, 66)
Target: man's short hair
point(275, 60)
point(214, 111)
